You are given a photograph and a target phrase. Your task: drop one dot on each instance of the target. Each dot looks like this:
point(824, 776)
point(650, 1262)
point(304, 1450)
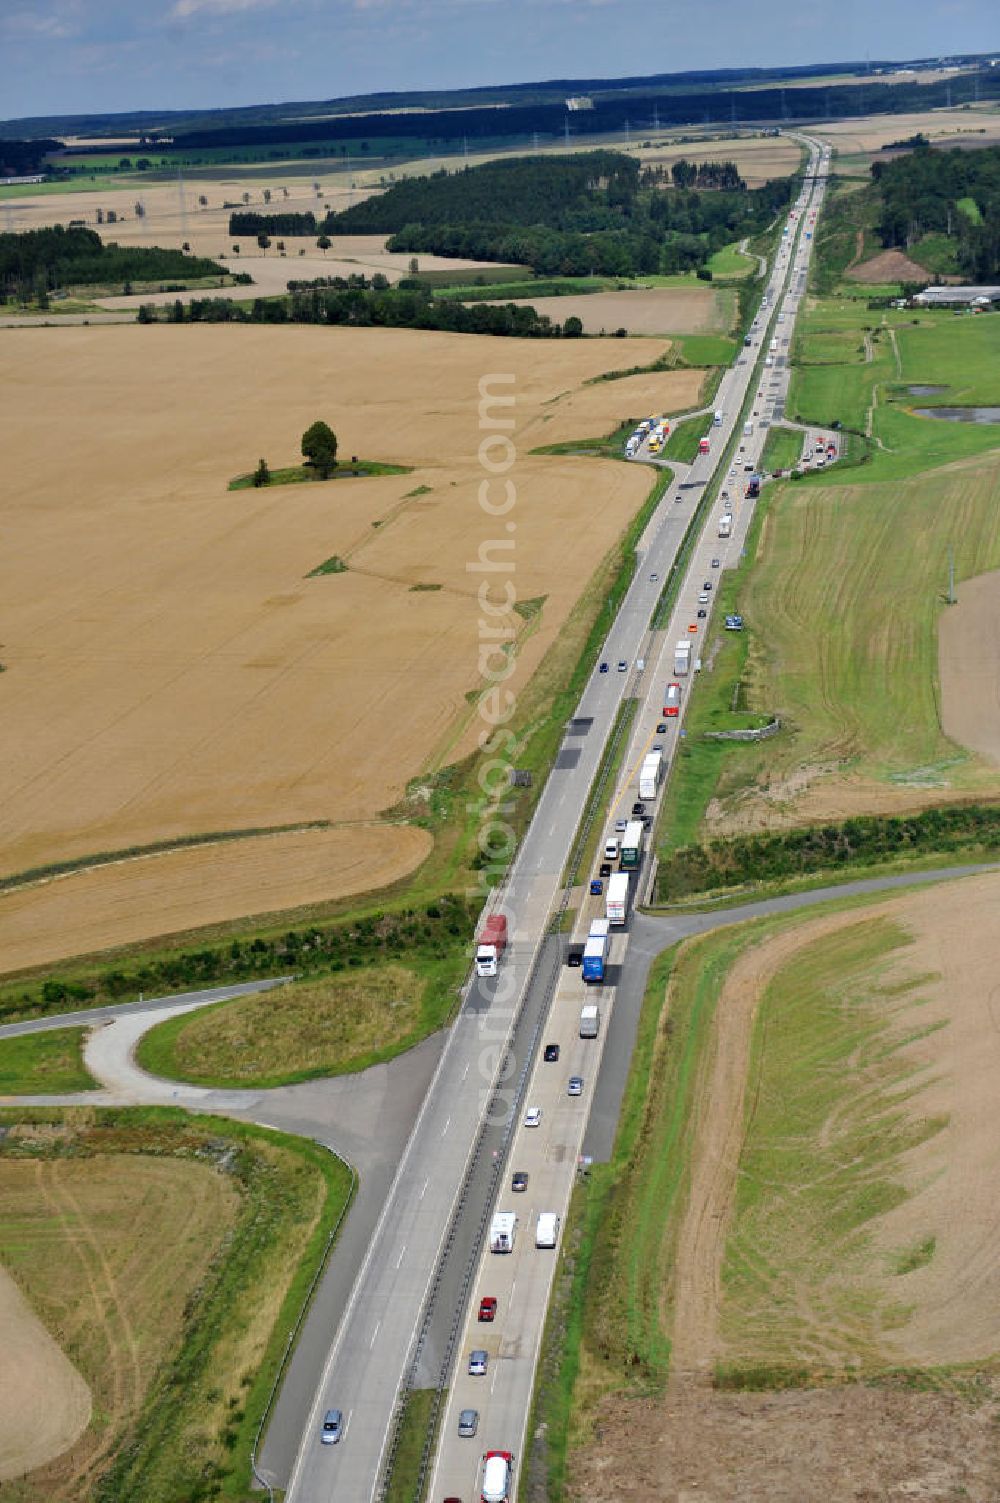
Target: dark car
point(716, 563)
point(604, 870)
point(550, 1053)
point(702, 613)
point(519, 1181)
point(604, 667)
point(575, 957)
point(638, 809)
point(707, 585)
point(596, 887)
point(661, 729)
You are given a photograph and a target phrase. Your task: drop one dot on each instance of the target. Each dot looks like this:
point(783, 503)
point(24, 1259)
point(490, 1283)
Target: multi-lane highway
point(373, 1347)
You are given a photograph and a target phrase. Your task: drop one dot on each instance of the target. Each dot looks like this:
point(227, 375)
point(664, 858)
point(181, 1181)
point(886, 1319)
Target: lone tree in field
point(323, 243)
point(262, 474)
point(319, 448)
point(264, 241)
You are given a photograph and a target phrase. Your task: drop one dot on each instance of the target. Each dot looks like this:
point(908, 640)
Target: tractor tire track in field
point(722, 1117)
point(124, 1368)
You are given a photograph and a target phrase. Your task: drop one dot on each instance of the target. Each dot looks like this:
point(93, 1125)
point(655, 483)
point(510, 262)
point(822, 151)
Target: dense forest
point(37, 262)
point(22, 158)
point(243, 223)
point(407, 308)
point(592, 212)
point(955, 193)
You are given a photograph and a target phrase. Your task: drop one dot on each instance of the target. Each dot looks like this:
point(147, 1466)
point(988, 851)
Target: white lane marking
point(374, 1334)
point(402, 1255)
point(347, 1423)
point(424, 1190)
point(496, 1374)
point(465, 1072)
point(443, 1131)
point(510, 1302)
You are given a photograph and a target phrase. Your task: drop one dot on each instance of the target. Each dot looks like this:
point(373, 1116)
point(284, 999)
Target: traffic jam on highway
point(479, 1346)
point(486, 1412)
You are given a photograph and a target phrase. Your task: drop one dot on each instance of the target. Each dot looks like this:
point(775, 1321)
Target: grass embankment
point(44, 1064)
point(783, 448)
point(730, 261)
point(835, 1117)
point(684, 438)
point(413, 1437)
point(170, 1256)
point(333, 1026)
point(296, 474)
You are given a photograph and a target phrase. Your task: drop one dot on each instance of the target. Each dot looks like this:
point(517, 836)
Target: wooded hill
point(954, 193)
point(592, 212)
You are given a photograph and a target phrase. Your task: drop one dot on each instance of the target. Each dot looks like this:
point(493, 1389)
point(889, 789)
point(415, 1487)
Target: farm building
point(957, 297)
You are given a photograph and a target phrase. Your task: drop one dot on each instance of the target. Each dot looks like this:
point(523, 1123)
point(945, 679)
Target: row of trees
point(396, 309)
point(704, 175)
point(956, 193)
point(284, 223)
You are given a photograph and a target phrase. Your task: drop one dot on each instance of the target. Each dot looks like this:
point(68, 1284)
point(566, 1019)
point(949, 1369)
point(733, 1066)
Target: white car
point(533, 1116)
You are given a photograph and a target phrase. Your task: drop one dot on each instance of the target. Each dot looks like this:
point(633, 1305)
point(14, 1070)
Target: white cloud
point(181, 9)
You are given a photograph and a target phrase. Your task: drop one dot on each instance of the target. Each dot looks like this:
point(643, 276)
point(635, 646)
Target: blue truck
point(593, 958)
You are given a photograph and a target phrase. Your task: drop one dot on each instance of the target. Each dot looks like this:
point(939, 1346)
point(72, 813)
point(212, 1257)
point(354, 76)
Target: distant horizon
point(608, 80)
point(107, 57)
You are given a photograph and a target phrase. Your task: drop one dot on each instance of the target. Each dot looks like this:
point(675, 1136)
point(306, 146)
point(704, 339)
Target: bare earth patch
point(107, 906)
point(44, 1402)
point(888, 266)
point(656, 310)
point(842, 1445)
point(969, 654)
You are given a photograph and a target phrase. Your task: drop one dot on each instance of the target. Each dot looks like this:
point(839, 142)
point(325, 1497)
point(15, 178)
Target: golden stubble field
point(171, 670)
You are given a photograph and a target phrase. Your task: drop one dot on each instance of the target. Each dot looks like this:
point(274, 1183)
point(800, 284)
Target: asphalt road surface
point(550, 1152)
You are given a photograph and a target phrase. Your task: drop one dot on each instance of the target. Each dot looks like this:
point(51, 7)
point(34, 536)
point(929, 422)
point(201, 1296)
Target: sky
point(85, 56)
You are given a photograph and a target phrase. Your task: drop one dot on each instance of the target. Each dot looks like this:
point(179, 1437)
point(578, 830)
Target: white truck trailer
point(650, 773)
point(682, 657)
point(502, 1231)
point(616, 904)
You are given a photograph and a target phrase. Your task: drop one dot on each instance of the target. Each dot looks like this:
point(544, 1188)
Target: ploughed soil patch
point(889, 266)
point(840, 1444)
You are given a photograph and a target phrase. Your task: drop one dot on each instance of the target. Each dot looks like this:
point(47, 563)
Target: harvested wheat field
point(107, 1250)
point(841, 1222)
point(585, 411)
point(170, 668)
point(667, 310)
point(110, 905)
point(977, 125)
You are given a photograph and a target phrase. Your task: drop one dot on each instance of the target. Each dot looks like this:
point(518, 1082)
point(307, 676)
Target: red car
point(488, 1308)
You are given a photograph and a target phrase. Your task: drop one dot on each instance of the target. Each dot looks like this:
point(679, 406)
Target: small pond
point(925, 391)
point(961, 414)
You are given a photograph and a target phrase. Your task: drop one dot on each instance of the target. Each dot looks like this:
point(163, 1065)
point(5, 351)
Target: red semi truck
point(492, 942)
point(704, 446)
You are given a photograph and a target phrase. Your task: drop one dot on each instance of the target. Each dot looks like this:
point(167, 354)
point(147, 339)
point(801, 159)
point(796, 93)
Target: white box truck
point(590, 1021)
point(682, 657)
point(502, 1231)
point(547, 1229)
point(726, 525)
point(616, 904)
point(649, 774)
point(598, 929)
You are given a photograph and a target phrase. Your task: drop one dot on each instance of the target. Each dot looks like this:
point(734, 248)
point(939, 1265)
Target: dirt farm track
point(170, 668)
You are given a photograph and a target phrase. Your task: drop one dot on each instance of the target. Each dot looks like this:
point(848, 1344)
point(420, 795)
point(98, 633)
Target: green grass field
point(783, 448)
point(826, 1134)
point(297, 474)
point(37, 1064)
point(329, 1026)
point(705, 349)
point(730, 261)
point(842, 603)
point(684, 438)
